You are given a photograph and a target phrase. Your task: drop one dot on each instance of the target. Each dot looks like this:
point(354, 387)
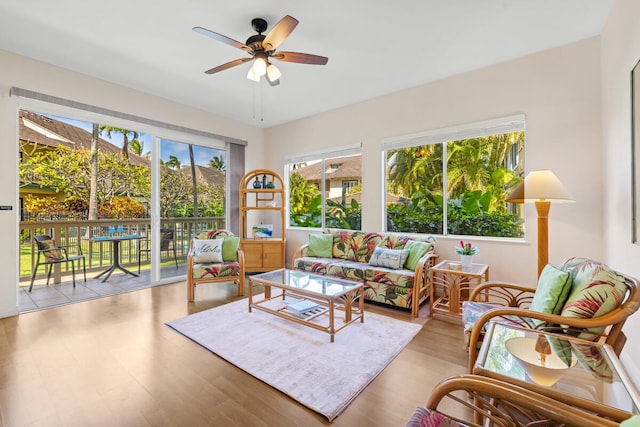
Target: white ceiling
point(375, 47)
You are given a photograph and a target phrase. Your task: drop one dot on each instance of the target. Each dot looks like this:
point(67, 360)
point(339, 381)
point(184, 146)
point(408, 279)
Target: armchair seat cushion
point(424, 417)
point(212, 270)
point(471, 310)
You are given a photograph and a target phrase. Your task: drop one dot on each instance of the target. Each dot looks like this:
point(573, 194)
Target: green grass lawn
point(26, 267)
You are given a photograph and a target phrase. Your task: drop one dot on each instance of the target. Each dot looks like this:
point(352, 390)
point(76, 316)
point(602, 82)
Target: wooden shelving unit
point(262, 254)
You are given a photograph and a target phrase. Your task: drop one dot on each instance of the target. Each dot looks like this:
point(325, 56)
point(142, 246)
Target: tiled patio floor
point(43, 296)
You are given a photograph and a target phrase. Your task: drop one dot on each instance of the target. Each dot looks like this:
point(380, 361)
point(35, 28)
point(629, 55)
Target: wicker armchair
point(472, 400)
point(515, 300)
point(213, 272)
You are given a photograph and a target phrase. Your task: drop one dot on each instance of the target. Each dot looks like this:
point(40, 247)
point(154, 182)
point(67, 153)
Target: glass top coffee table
point(589, 375)
point(309, 299)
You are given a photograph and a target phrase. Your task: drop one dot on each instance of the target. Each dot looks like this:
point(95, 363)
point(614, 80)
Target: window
point(325, 189)
point(455, 181)
point(349, 185)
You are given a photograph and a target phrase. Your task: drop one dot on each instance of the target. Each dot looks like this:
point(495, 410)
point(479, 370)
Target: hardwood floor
point(113, 362)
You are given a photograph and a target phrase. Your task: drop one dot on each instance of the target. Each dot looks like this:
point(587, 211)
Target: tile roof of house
point(208, 175)
point(38, 129)
point(345, 168)
point(391, 198)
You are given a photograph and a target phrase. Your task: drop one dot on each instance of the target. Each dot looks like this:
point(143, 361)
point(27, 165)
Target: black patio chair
point(167, 243)
point(50, 254)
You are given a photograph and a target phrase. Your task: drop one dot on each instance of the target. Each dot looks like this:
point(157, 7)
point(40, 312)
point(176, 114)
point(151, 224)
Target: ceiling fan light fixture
point(273, 73)
point(251, 75)
point(260, 64)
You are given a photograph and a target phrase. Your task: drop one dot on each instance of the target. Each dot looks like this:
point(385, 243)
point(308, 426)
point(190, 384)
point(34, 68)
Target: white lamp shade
point(545, 373)
point(540, 185)
point(273, 73)
point(260, 65)
point(253, 76)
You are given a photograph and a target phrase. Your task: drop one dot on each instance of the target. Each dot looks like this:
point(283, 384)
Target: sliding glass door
point(191, 199)
point(82, 181)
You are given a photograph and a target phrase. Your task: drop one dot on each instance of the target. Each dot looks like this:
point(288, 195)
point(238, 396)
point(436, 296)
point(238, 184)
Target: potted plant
point(466, 252)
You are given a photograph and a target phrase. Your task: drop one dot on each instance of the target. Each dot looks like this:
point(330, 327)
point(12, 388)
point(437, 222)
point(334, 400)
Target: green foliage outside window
point(122, 207)
point(346, 216)
point(481, 173)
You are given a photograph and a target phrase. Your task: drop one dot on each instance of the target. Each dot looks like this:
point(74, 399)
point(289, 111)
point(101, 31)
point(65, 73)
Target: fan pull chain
point(261, 101)
point(253, 94)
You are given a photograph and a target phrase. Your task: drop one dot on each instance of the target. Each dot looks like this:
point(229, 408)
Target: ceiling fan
point(262, 48)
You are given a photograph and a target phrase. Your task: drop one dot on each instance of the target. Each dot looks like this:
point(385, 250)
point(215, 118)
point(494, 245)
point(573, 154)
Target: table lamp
point(541, 187)
point(541, 364)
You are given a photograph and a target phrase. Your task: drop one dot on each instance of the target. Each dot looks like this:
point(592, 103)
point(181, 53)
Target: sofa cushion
point(230, 246)
point(365, 244)
point(417, 250)
point(350, 270)
point(320, 245)
point(388, 293)
point(401, 278)
point(343, 244)
point(312, 264)
point(389, 258)
point(552, 291)
point(596, 290)
point(207, 251)
point(394, 241)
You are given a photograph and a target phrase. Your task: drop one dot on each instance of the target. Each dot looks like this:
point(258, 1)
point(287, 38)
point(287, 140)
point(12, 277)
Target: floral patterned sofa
point(227, 265)
point(395, 268)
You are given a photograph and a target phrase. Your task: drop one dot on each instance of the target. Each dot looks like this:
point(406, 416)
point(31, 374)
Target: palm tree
point(126, 134)
point(480, 163)
point(193, 180)
point(137, 147)
point(217, 162)
point(173, 162)
point(93, 177)
point(415, 169)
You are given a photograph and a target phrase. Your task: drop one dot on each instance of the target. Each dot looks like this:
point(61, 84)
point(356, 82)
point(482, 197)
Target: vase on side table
point(466, 260)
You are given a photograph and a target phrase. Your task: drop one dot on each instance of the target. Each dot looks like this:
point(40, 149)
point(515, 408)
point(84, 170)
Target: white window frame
point(514, 123)
point(314, 156)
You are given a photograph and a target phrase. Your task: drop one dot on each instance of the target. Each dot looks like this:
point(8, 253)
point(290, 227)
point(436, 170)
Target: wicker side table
point(451, 284)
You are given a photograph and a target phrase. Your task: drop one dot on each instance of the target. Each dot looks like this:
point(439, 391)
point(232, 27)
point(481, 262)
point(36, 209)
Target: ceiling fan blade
point(227, 65)
point(223, 39)
point(279, 32)
point(302, 58)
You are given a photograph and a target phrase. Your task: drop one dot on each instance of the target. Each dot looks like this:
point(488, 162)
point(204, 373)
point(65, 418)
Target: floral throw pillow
point(596, 291)
point(50, 251)
point(207, 251)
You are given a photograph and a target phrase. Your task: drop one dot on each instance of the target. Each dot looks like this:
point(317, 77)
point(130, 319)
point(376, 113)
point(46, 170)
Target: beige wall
point(620, 43)
point(25, 73)
point(557, 90)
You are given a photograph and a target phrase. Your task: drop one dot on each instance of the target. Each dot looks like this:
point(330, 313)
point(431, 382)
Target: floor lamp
point(541, 187)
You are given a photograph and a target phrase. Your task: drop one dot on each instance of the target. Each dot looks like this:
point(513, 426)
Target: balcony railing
point(75, 235)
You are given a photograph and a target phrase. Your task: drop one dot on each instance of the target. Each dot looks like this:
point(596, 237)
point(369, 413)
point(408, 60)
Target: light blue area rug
point(296, 359)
